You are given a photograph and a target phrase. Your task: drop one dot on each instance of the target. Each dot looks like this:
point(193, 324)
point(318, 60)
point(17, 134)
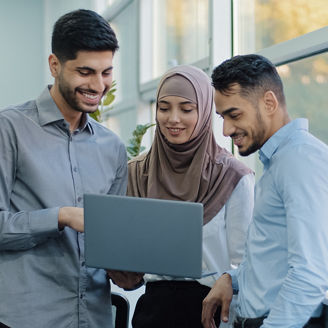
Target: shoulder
point(102, 132)
point(231, 163)
point(137, 161)
point(15, 116)
point(17, 111)
point(301, 162)
point(302, 151)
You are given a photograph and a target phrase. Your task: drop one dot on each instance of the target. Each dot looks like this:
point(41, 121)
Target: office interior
point(155, 35)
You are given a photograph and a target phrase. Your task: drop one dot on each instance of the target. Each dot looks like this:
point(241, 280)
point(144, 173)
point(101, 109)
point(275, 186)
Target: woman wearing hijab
point(185, 163)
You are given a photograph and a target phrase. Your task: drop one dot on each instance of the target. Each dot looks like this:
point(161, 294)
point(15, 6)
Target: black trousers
point(171, 304)
point(257, 322)
point(3, 326)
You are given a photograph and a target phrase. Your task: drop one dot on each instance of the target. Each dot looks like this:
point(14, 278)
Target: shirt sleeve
point(302, 183)
point(234, 277)
point(24, 229)
point(238, 215)
point(119, 185)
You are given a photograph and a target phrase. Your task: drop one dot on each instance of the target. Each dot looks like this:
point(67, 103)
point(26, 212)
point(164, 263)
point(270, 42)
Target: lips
point(175, 131)
point(90, 98)
point(238, 139)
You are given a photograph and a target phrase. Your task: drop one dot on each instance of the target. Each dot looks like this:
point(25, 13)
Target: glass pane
point(261, 23)
point(178, 35)
point(306, 85)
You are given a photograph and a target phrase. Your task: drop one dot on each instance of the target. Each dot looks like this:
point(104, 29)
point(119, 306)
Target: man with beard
point(283, 277)
point(51, 154)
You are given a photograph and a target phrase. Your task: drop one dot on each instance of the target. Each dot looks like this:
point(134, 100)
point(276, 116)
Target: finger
point(208, 313)
point(225, 311)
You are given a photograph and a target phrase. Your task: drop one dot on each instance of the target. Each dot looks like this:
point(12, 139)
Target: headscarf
point(196, 171)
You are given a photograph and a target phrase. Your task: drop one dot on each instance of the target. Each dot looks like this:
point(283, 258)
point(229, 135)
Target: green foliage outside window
point(134, 147)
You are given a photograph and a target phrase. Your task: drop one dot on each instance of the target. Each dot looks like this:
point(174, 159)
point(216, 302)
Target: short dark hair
point(81, 30)
point(254, 73)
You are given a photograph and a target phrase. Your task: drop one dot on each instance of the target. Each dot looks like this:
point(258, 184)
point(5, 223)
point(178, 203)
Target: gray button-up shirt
point(43, 278)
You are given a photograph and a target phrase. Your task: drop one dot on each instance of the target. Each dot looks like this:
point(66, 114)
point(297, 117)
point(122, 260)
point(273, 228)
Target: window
point(172, 33)
point(261, 23)
point(306, 85)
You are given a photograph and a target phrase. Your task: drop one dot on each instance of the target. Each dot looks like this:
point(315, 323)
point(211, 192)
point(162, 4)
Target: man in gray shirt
point(51, 153)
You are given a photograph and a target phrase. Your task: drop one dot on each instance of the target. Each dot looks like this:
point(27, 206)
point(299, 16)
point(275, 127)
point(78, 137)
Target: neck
point(280, 119)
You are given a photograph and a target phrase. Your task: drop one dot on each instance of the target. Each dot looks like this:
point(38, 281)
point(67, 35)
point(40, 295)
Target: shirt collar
point(272, 144)
point(49, 112)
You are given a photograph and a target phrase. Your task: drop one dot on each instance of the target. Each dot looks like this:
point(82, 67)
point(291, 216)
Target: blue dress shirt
point(43, 278)
point(284, 273)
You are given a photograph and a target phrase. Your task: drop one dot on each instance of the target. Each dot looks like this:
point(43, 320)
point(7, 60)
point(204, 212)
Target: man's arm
point(220, 295)
point(120, 183)
point(21, 229)
point(302, 183)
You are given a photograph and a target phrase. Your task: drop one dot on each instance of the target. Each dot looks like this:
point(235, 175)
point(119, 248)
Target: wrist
point(62, 218)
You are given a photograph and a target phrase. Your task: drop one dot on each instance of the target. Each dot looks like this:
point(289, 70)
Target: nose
point(174, 116)
point(98, 83)
point(228, 128)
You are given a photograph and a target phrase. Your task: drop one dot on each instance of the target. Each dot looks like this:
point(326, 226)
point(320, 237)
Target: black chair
point(121, 309)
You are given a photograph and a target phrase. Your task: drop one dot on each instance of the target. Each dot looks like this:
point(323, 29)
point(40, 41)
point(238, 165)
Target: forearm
point(294, 305)
point(24, 230)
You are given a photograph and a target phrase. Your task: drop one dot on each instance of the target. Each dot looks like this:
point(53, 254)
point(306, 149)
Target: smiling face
point(243, 120)
point(177, 118)
point(82, 82)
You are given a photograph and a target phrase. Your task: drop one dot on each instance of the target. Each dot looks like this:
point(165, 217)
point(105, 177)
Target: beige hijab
point(196, 171)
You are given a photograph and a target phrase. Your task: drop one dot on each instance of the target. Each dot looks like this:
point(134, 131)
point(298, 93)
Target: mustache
point(235, 135)
point(91, 91)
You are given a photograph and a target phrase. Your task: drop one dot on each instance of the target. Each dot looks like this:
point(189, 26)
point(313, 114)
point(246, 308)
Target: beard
point(69, 95)
point(258, 137)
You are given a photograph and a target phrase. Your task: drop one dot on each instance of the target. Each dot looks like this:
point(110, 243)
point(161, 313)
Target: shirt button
point(81, 295)
point(75, 169)
point(79, 199)
point(82, 263)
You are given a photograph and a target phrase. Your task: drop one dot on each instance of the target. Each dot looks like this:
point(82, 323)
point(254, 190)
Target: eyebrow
point(181, 103)
point(92, 70)
point(228, 111)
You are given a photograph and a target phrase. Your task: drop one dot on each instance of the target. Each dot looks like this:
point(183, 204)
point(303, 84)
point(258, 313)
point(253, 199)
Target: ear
point(54, 65)
point(270, 102)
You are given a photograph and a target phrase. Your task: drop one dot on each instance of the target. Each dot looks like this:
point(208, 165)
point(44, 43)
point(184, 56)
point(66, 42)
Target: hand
point(72, 217)
point(220, 295)
point(124, 279)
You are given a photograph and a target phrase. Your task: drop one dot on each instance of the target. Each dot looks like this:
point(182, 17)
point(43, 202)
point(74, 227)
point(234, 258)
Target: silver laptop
point(144, 235)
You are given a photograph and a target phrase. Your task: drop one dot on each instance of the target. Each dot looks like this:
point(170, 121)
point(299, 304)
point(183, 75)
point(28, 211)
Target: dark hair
point(254, 74)
point(81, 30)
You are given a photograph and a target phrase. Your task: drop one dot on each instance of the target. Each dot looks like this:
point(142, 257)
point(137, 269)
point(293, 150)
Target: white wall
point(25, 36)
point(21, 55)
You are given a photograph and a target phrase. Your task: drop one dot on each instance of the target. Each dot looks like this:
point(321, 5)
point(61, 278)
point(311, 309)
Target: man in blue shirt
point(51, 153)
point(283, 277)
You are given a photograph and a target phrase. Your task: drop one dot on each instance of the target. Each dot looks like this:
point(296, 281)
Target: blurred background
point(155, 35)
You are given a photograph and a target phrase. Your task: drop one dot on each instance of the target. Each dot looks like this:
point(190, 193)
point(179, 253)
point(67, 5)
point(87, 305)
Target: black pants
point(3, 326)
point(257, 322)
point(171, 304)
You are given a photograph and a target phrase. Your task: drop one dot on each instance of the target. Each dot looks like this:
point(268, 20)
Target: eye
point(235, 116)
point(162, 109)
point(83, 72)
point(107, 73)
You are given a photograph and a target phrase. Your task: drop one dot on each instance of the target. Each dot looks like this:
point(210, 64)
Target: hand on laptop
point(220, 295)
point(126, 280)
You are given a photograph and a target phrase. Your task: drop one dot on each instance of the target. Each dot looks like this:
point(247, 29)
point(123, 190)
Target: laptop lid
point(143, 235)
